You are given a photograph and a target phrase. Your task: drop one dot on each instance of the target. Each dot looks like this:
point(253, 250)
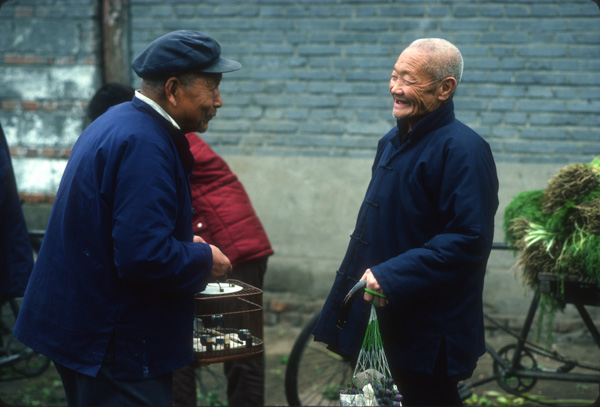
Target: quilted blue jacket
point(118, 259)
point(425, 229)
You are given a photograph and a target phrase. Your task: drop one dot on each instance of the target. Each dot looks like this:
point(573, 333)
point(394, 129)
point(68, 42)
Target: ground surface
point(46, 389)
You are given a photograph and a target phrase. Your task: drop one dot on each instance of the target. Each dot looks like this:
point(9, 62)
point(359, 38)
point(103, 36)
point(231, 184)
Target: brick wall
point(315, 77)
point(48, 72)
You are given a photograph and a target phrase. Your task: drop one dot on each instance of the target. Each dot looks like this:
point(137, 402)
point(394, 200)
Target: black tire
point(314, 375)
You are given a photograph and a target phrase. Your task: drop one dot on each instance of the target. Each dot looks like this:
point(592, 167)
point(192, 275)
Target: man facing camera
point(423, 235)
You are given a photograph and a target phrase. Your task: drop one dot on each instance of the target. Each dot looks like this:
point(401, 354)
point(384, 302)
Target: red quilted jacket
point(223, 214)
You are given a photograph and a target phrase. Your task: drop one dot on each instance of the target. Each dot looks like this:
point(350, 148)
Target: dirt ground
point(46, 389)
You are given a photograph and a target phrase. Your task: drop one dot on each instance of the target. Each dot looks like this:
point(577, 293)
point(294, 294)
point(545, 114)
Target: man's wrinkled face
point(198, 103)
point(414, 91)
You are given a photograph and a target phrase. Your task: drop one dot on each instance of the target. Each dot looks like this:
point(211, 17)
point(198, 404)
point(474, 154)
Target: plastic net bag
point(372, 383)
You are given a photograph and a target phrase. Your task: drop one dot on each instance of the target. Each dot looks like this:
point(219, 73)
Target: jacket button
point(199, 225)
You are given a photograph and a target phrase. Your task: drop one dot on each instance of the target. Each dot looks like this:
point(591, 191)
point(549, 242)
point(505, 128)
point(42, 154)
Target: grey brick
point(543, 11)
point(275, 127)
point(541, 119)
point(542, 147)
point(513, 91)
point(503, 51)
point(320, 75)
point(590, 93)
point(493, 10)
point(488, 118)
point(365, 50)
point(536, 51)
point(491, 37)
point(391, 11)
point(502, 105)
point(308, 50)
point(548, 78)
point(585, 135)
point(591, 149)
point(370, 101)
point(540, 65)
point(541, 106)
point(583, 79)
point(516, 146)
point(414, 11)
point(486, 63)
point(565, 119)
point(541, 133)
point(515, 118)
point(512, 63)
point(566, 65)
point(471, 104)
point(458, 25)
point(318, 101)
point(438, 11)
point(318, 25)
point(366, 11)
point(540, 92)
point(583, 107)
point(568, 10)
point(566, 93)
point(465, 11)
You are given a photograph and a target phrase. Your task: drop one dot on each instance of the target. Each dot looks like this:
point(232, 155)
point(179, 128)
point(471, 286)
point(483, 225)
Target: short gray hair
point(186, 78)
point(448, 61)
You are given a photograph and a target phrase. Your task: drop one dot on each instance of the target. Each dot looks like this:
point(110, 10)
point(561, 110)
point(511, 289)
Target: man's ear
point(172, 90)
point(447, 86)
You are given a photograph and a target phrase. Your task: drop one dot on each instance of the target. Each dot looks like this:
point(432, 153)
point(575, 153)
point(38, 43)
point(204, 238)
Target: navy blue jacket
point(117, 258)
point(16, 256)
point(425, 229)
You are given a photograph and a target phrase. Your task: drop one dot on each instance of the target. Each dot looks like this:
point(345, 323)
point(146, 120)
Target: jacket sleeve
point(465, 186)
point(152, 228)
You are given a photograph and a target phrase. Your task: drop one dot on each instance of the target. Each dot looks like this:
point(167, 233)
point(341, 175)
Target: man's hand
point(373, 285)
point(221, 264)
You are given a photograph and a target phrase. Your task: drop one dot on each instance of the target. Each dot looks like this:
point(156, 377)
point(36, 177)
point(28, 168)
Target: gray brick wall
point(49, 68)
point(315, 77)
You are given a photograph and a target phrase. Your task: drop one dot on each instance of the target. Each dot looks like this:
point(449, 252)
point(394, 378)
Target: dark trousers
point(428, 391)
point(437, 389)
point(245, 377)
point(105, 390)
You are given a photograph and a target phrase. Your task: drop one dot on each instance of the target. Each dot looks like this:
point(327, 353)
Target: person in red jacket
point(224, 217)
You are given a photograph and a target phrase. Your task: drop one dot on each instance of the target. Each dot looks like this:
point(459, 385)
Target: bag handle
point(349, 299)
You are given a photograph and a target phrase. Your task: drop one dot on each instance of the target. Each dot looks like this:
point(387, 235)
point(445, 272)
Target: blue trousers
point(105, 390)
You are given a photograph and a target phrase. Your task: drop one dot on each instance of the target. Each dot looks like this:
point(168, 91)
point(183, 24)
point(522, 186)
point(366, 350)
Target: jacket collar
point(440, 117)
point(181, 142)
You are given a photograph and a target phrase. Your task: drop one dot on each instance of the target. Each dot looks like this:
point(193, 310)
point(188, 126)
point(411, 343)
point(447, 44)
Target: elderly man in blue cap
point(110, 299)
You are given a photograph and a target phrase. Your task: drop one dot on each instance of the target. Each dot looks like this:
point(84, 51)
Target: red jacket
point(223, 214)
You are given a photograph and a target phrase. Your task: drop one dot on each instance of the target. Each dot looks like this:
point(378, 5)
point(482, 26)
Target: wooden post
point(115, 44)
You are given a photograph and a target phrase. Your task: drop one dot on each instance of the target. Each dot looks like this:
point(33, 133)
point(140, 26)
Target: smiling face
point(415, 93)
point(197, 102)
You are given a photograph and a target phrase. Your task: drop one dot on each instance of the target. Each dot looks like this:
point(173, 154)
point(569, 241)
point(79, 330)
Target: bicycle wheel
point(18, 361)
point(314, 375)
point(27, 363)
point(515, 384)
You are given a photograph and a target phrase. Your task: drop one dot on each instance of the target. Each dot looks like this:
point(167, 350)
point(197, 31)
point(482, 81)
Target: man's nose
point(218, 100)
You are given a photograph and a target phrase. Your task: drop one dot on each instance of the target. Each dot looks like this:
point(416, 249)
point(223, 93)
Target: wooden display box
point(228, 325)
point(578, 290)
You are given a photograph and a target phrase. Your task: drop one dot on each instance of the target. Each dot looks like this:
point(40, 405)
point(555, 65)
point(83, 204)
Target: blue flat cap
point(180, 52)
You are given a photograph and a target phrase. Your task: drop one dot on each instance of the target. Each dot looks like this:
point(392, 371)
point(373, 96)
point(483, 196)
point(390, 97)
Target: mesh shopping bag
point(372, 383)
